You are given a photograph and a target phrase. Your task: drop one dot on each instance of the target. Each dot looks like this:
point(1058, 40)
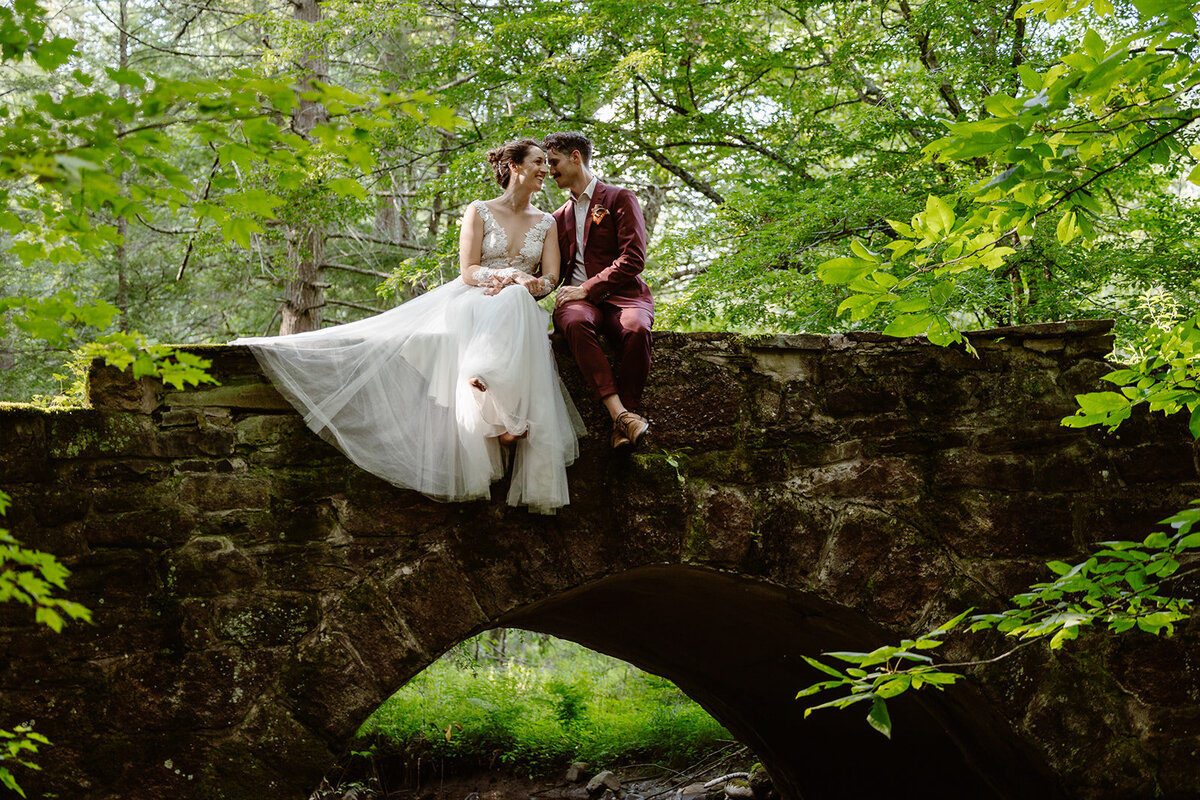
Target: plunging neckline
point(520, 254)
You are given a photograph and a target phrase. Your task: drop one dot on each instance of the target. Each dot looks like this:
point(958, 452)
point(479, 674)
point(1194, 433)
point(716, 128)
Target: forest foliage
point(534, 704)
point(163, 175)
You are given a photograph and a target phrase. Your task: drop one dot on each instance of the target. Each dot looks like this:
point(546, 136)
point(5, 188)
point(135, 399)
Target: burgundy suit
point(618, 306)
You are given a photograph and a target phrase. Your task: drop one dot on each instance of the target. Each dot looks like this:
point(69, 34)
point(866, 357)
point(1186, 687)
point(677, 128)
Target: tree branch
point(359, 270)
point(358, 237)
point(678, 171)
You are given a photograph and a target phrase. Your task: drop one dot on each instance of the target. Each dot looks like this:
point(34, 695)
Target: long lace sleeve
point(485, 275)
point(541, 286)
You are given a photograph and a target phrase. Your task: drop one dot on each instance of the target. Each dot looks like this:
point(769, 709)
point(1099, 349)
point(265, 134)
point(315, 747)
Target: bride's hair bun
point(504, 156)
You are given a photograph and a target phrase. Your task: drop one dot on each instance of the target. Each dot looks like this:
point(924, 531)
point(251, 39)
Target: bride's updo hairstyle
point(504, 156)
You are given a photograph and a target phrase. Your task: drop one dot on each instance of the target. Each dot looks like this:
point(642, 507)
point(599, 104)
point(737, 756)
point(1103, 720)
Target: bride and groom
point(426, 395)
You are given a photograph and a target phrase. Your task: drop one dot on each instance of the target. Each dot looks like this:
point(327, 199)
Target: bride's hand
point(498, 284)
point(530, 283)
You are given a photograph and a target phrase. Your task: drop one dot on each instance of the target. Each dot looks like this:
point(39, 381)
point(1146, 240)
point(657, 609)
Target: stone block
point(145, 528)
point(1002, 525)
point(115, 585)
point(313, 566)
point(860, 397)
point(329, 686)
point(880, 565)
point(114, 389)
point(196, 623)
point(724, 530)
point(967, 467)
point(102, 434)
point(23, 433)
point(217, 491)
point(263, 620)
point(366, 619)
point(878, 478)
point(133, 493)
point(383, 510)
point(256, 395)
point(208, 566)
point(1049, 345)
point(269, 429)
point(183, 690)
point(175, 418)
point(1035, 436)
point(252, 752)
point(786, 366)
point(433, 599)
point(792, 532)
point(218, 465)
point(208, 440)
point(1157, 463)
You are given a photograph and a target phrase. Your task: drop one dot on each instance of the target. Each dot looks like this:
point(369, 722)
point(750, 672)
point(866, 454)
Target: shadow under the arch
point(734, 645)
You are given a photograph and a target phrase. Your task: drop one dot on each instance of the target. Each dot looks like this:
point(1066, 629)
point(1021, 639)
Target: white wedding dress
point(393, 391)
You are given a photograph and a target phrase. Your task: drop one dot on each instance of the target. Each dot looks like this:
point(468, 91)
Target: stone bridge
point(256, 597)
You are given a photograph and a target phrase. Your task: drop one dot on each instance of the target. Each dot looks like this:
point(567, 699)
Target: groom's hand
point(569, 294)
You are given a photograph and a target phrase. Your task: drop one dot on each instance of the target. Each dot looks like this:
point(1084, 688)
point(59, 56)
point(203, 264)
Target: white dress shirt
point(579, 275)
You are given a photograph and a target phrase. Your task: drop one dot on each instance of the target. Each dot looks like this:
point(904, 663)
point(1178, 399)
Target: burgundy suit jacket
point(614, 247)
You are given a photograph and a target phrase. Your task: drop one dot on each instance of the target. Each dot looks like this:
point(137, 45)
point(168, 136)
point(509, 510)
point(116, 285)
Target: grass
point(536, 707)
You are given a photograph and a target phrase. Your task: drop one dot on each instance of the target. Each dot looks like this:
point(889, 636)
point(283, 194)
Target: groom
point(602, 238)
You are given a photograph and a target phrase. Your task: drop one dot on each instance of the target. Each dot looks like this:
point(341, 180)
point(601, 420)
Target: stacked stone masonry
point(256, 596)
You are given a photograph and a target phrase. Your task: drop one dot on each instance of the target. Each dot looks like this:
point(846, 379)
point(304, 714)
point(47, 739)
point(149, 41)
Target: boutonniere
point(598, 214)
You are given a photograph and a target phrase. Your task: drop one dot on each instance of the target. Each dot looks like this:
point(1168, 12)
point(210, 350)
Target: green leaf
point(52, 54)
point(862, 252)
point(1101, 402)
point(940, 678)
point(844, 270)
point(239, 229)
point(909, 325)
point(444, 117)
point(828, 670)
point(879, 719)
point(938, 216)
point(911, 304)
point(1188, 542)
point(348, 187)
point(1094, 44)
point(896, 686)
point(1067, 228)
point(126, 77)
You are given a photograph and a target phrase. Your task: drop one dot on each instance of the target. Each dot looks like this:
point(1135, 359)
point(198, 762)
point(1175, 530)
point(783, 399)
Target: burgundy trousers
point(627, 331)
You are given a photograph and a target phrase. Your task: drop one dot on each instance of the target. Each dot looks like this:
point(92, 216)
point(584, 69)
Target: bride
point(426, 394)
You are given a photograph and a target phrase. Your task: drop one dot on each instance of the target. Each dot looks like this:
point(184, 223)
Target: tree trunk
point(304, 296)
point(122, 223)
point(652, 198)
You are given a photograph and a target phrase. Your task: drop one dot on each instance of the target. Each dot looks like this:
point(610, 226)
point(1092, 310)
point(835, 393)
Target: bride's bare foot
point(478, 384)
point(509, 438)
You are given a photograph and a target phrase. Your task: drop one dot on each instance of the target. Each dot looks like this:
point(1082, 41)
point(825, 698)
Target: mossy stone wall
point(256, 596)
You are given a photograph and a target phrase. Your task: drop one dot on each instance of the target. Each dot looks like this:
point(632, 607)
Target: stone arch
point(733, 644)
point(730, 642)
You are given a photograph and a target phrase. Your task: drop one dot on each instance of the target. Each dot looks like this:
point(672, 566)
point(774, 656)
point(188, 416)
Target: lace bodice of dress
point(495, 251)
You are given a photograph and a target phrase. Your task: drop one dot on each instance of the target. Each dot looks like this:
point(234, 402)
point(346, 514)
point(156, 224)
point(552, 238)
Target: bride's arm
point(545, 283)
point(470, 245)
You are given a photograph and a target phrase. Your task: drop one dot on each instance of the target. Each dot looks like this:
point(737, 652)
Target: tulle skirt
point(393, 392)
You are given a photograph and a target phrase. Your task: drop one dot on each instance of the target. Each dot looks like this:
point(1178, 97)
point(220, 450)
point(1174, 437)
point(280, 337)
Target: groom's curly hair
point(504, 156)
point(566, 142)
